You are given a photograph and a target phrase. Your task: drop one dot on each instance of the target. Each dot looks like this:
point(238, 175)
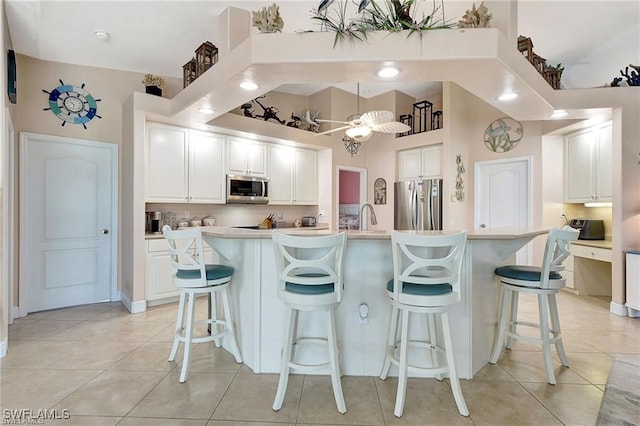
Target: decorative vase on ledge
point(153, 90)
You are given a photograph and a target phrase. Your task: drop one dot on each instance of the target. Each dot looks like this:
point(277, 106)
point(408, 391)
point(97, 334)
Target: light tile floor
point(108, 367)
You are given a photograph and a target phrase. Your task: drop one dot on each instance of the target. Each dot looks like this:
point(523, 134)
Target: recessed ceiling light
point(507, 96)
point(248, 85)
point(101, 34)
point(559, 113)
point(206, 110)
point(388, 72)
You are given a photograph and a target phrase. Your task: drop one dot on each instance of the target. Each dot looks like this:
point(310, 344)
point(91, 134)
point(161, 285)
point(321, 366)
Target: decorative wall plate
point(72, 104)
point(503, 134)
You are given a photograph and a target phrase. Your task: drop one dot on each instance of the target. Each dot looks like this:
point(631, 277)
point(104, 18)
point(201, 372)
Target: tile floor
point(108, 367)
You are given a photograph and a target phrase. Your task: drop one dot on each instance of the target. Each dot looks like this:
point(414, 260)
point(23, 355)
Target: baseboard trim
point(133, 307)
point(3, 347)
point(633, 312)
point(618, 309)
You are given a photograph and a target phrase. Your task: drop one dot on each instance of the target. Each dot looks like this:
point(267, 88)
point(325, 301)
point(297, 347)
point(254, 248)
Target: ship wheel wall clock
point(72, 104)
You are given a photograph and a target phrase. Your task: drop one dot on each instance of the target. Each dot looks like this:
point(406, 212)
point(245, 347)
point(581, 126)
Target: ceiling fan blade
point(319, 120)
point(373, 118)
point(333, 130)
point(391, 127)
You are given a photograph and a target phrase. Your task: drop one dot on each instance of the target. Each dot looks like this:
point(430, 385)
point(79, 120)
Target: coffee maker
point(152, 222)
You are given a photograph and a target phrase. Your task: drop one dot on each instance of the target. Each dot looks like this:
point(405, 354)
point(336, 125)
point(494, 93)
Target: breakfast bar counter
point(367, 267)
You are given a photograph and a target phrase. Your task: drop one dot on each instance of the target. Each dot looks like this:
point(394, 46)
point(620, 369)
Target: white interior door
point(503, 197)
point(68, 205)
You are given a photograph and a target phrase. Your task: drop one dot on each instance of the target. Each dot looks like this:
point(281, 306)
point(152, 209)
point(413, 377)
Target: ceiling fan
point(361, 127)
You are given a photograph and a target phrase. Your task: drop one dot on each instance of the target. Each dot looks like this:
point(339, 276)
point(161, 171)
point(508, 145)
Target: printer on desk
point(590, 229)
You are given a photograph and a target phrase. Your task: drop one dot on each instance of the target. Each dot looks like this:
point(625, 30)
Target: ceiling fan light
point(388, 72)
point(359, 132)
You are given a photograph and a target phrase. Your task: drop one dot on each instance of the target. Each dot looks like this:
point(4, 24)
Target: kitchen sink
point(247, 227)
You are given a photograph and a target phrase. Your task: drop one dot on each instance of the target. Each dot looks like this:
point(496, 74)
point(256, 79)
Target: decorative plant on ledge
point(390, 15)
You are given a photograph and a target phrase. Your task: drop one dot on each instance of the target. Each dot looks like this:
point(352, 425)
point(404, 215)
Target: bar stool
point(426, 280)
point(545, 282)
point(193, 277)
point(309, 271)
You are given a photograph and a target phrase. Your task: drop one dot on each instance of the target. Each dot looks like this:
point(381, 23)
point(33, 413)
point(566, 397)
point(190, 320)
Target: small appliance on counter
point(308, 221)
point(152, 222)
point(590, 229)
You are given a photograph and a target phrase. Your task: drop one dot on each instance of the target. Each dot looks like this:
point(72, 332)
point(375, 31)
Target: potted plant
point(153, 84)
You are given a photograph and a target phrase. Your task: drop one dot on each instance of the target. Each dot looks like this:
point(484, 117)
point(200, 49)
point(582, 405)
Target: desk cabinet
point(591, 270)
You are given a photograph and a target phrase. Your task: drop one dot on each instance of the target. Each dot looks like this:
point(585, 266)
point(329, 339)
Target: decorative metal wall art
point(268, 19)
point(380, 191)
point(503, 134)
point(351, 145)
point(632, 78)
point(458, 194)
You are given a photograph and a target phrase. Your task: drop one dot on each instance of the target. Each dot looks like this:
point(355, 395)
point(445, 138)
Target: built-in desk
point(592, 267)
point(260, 316)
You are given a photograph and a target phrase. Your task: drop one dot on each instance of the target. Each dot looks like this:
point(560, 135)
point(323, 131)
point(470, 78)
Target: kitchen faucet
point(374, 221)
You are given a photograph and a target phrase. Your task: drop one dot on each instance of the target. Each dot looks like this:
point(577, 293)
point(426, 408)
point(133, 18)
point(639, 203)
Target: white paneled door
point(68, 222)
point(502, 196)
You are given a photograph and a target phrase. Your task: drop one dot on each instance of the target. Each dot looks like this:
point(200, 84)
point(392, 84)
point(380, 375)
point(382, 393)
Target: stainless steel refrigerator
point(418, 205)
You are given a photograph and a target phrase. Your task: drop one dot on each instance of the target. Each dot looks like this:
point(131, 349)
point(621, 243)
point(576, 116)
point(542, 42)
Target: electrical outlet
point(363, 313)
point(322, 213)
point(580, 214)
point(187, 214)
point(562, 213)
point(279, 216)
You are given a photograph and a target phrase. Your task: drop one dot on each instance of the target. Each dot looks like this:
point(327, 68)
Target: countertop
point(372, 234)
point(605, 244)
point(366, 234)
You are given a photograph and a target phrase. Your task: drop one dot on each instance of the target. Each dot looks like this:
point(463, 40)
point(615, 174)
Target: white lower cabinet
point(292, 176)
point(568, 273)
point(159, 284)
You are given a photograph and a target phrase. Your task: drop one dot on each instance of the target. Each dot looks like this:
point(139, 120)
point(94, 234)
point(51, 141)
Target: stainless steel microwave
point(247, 189)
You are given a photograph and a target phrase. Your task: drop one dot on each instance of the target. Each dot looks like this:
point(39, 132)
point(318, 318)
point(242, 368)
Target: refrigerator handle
point(414, 205)
point(432, 201)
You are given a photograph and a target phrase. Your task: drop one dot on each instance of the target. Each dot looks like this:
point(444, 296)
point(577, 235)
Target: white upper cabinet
point(292, 176)
point(206, 171)
point(183, 165)
point(587, 165)
point(246, 157)
point(166, 153)
point(420, 163)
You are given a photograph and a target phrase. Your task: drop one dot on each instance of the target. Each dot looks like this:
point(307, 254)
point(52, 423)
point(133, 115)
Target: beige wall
point(112, 87)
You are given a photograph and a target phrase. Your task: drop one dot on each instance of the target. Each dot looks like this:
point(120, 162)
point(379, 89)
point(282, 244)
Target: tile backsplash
point(234, 215)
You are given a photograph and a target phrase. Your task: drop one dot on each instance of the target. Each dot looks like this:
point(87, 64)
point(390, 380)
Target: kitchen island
point(260, 315)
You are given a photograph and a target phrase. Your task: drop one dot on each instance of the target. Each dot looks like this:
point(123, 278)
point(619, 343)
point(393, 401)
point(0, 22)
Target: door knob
point(105, 231)
point(482, 225)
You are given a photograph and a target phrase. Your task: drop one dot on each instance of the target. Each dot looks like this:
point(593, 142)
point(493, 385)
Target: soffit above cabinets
point(480, 60)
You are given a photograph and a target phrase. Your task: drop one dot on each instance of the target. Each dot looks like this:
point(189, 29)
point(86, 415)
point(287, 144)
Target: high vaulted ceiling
point(592, 39)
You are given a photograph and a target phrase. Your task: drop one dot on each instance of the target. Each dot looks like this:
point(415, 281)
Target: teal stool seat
point(213, 272)
point(524, 273)
point(309, 289)
point(422, 289)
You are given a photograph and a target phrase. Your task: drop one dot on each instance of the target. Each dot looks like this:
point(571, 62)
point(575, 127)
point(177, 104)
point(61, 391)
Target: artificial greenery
point(388, 15)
